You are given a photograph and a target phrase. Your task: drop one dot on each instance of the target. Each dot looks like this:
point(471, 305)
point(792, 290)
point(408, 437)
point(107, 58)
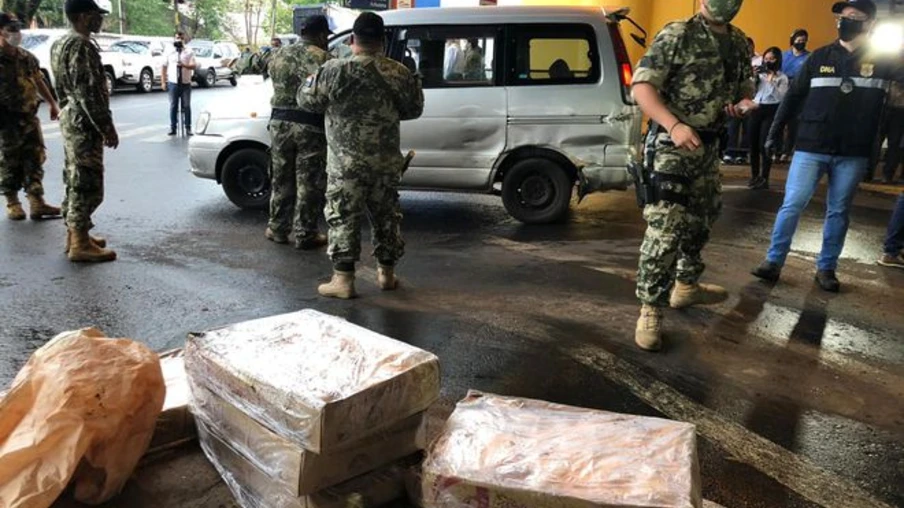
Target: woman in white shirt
point(772, 86)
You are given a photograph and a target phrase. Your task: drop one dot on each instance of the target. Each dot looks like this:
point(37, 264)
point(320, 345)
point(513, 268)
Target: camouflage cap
point(723, 11)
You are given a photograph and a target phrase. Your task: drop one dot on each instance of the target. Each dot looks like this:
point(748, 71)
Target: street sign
point(367, 5)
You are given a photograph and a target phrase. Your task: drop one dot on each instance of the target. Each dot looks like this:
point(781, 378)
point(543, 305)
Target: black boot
point(828, 281)
point(767, 271)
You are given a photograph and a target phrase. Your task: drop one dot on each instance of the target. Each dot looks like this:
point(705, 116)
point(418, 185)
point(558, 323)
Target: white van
point(526, 102)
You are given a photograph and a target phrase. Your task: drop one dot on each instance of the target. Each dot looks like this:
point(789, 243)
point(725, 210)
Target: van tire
point(110, 81)
point(537, 191)
point(246, 179)
point(146, 81)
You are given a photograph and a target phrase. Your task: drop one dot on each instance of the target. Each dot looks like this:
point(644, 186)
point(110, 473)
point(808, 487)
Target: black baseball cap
point(9, 21)
point(369, 25)
point(865, 6)
point(81, 6)
point(316, 24)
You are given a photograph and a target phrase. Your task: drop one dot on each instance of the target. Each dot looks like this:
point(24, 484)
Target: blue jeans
point(807, 169)
point(894, 240)
point(179, 93)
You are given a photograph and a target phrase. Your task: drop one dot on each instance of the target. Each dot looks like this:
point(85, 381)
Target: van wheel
point(110, 82)
point(233, 81)
point(146, 81)
point(537, 191)
point(246, 179)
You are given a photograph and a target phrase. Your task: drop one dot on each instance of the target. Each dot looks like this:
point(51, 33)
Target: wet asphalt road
point(798, 395)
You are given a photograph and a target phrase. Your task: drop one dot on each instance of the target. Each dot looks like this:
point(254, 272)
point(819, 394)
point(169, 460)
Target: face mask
point(800, 46)
point(14, 39)
point(723, 11)
point(771, 66)
point(849, 29)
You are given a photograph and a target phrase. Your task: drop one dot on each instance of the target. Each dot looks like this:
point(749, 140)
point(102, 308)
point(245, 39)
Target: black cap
point(9, 21)
point(865, 6)
point(80, 6)
point(369, 25)
point(316, 24)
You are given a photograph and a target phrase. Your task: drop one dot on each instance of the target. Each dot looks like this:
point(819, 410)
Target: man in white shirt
point(176, 79)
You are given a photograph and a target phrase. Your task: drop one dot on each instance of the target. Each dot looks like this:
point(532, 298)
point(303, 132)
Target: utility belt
point(706, 136)
point(299, 116)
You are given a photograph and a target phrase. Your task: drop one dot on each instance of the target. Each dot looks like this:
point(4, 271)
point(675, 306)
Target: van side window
point(555, 54)
point(451, 57)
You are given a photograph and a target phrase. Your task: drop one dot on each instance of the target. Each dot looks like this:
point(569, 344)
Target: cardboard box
point(254, 489)
point(175, 425)
point(519, 453)
point(314, 379)
point(297, 470)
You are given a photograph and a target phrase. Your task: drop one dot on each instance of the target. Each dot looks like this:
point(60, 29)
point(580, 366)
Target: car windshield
point(33, 41)
point(203, 51)
point(129, 47)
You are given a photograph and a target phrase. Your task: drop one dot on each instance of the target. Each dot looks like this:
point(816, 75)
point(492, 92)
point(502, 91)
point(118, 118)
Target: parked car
point(215, 62)
point(557, 114)
point(39, 41)
point(142, 60)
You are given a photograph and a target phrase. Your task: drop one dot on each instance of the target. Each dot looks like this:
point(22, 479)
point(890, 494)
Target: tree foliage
point(25, 10)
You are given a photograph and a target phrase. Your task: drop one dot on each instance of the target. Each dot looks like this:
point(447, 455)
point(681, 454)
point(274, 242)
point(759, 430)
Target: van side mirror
point(156, 52)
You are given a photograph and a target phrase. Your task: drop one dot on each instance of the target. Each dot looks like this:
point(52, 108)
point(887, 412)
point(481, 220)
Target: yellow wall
point(769, 22)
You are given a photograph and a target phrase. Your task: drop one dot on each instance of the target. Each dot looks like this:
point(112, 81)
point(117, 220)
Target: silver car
point(526, 102)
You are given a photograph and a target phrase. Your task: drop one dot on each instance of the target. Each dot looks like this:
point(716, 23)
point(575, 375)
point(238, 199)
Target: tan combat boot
point(14, 209)
point(275, 237)
point(39, 209)
point(386, 278)
point(96, 240)
point(685, 295)
point(648, 334)
point(82, 249)
point(342, 286)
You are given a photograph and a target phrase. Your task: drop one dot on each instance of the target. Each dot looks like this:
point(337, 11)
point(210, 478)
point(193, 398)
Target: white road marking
point(57, 134)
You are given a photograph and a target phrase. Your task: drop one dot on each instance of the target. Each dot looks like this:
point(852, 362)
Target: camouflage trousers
point(22, 156)
point(676, 234)
point(351, 193)
point(83, 172)
point(297, 177)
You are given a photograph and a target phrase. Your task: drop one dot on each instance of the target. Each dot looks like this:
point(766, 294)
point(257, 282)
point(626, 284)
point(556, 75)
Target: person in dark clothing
point(893, 132)
point(772, 86)
point(840, 92)
point(894, 239)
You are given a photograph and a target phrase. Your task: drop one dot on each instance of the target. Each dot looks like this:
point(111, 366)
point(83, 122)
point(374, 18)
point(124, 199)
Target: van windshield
point(32, 41)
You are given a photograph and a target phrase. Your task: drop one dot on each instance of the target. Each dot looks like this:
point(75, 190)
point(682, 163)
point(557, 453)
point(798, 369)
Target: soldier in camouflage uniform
point(297, 141)
point(695, 75)
point(87, 126)
point(364, 98)
point(22, 153)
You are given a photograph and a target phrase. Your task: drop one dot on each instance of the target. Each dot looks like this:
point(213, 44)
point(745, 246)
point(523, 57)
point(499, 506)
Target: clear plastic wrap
point(297, 470)
point(253, 489)
point(314, 379)
point(519, 453)
point(175, 425)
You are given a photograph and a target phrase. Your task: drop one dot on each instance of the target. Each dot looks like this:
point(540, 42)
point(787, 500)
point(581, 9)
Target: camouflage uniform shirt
point(81, 82)
point(364, 98)
point(19, 75)
point(289, 67)
point(685, 64)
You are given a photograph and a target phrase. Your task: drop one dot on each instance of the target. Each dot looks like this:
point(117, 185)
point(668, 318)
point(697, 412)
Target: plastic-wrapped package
point(254, 489)
point(175, 425)
point(81, 412)
point(314, 379)
point(297, 470)
point(518, 453)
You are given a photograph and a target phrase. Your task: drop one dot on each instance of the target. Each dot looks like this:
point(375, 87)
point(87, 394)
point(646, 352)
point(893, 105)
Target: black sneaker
point(172, 132)
point(188, 132)
point(828, 281)
point(767, 271)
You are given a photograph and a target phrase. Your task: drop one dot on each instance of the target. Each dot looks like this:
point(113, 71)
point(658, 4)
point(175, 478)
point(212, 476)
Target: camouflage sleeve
point(314, 95)
point(655, 66)
point(90, 86)
point(747, 79)
point(412, 104)
point(34, 69)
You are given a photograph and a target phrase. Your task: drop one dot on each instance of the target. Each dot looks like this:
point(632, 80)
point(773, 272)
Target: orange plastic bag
point(83, 410)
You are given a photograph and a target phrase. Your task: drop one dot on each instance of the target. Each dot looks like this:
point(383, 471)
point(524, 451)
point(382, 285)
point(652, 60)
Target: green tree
point(25, 10)
point(209, 18)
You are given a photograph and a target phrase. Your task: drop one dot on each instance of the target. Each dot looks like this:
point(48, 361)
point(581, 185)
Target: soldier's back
point(288, 69)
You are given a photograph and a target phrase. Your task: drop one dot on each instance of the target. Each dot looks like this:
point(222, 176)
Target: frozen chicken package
point(519, 453)
point(253, 489)
point(312, 378)
point(296, 469)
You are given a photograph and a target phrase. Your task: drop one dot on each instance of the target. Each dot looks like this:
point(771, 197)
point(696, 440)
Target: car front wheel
point(246, 178)
point(210, 79)
point(537, 191)
point(146, 81)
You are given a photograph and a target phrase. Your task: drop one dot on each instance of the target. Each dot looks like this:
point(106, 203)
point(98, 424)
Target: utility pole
point(176, 13)
point(122, 17)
